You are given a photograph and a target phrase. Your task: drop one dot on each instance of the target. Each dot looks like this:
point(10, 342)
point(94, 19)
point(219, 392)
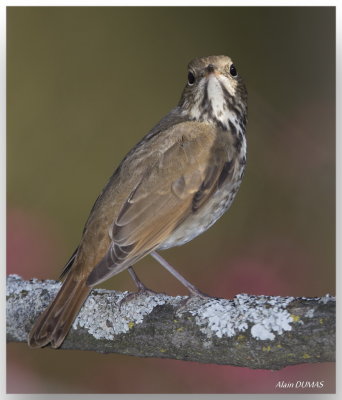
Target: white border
point(3, 189)
point(171, 3)
point(3, 6)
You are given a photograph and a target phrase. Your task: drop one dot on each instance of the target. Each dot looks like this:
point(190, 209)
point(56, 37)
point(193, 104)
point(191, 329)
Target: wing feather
point(177, 185)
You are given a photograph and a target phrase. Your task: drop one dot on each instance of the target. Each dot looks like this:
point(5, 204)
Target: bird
point(174, 184)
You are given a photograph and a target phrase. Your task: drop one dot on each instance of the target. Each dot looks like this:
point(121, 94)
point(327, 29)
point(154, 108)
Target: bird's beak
point(211, 70)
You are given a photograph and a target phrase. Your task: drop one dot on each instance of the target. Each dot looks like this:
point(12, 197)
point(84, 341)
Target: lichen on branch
point(267, 332)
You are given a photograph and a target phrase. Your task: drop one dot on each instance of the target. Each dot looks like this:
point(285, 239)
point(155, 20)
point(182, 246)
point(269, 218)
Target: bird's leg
point(192, 289)
point(142, 289)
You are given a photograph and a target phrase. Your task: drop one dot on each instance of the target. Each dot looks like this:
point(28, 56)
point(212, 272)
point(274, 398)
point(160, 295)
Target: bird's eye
point(232, 70)
point(191, 78)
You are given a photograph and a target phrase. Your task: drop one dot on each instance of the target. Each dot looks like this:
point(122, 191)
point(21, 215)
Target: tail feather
point(54, 323)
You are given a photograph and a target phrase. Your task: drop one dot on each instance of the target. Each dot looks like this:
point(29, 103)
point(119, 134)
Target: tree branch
point(248, 331)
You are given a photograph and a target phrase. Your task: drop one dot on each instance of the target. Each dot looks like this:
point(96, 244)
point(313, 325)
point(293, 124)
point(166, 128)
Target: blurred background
point(84, 84)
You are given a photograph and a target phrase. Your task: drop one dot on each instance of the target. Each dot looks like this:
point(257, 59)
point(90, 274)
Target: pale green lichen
point(266, 316)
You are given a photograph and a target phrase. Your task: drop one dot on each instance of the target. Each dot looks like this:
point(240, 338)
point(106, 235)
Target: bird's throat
point(211, 104)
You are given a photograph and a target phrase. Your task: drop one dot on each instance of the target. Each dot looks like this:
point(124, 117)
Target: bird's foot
point(133, 295)
point(195, 294)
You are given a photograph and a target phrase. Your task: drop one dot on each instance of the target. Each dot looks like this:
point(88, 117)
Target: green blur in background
point(84, 84)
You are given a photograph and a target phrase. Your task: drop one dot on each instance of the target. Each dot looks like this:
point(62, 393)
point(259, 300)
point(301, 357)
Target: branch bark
point(249, 331)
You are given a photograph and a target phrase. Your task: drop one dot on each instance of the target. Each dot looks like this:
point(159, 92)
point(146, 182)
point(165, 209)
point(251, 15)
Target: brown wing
point(176, 185)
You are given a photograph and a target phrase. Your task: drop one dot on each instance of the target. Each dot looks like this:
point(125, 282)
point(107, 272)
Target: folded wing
point(176, 185)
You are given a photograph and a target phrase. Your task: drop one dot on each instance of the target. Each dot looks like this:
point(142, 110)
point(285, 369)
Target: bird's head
point(214, 92)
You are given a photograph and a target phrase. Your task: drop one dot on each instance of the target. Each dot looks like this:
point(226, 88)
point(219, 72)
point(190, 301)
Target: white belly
point(204, 218)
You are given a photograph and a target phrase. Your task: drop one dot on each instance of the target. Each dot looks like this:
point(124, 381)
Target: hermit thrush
point(172, 186)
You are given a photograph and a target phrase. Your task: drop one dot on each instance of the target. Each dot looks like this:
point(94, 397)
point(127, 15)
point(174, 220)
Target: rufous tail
point(54, 323)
